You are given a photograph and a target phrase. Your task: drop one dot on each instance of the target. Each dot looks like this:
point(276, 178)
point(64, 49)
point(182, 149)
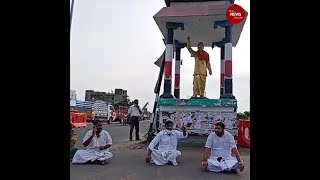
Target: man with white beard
point(167, 150)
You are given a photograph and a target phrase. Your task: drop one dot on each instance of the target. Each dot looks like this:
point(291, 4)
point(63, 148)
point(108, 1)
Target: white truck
point(103, 111)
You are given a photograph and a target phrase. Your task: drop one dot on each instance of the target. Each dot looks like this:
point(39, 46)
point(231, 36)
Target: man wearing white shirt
point(218, 149)
point(98, 142)
point(167, 150)
point(134, 113)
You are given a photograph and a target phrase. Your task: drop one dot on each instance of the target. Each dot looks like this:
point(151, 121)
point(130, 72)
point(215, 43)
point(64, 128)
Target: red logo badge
point(235, 14)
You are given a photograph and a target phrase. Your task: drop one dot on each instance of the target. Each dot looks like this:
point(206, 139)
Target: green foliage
point(149, 134)
point(244, 115)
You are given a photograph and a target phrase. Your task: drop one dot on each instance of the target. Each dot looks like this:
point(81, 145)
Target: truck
point(84, 107)
point(120, 113)
point(102, 110)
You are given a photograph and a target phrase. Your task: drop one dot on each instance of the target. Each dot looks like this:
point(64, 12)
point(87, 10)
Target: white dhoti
point(225, 164)
point(163, 157)
point(83, 156)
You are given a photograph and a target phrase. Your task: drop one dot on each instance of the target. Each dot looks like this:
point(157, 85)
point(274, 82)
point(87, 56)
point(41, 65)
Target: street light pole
point(71, 13)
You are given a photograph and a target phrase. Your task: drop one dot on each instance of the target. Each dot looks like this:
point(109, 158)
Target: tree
point(247, 113)
point(242, 116)
point(103, 97)
point(126, 102)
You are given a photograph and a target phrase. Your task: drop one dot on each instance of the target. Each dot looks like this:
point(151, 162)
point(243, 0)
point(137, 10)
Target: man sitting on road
point(218, 149)
point(167, 150)
point(98, 142)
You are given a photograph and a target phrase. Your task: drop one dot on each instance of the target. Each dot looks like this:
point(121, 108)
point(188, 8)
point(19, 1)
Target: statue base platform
point(198, 114)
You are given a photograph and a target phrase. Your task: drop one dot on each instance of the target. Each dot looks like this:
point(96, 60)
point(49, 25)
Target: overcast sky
point(115, 43)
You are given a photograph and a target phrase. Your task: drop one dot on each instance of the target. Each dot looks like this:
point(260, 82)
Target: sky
point(114, 44)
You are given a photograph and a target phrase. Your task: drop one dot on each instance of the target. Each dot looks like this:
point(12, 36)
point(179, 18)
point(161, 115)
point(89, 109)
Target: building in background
point(73, 95)
point(120, 95)
point(73, 99)
point(95, 95)
point(117, 96)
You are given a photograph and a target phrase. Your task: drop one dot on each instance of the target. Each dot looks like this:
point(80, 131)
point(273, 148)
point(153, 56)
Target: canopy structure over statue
point(198, 18)
point(205, 21)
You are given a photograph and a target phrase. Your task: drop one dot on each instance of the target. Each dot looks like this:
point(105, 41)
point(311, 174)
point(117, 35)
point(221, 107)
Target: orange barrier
point(72, 117)
point(243, 133)
point(78, 120)
point(87, 113)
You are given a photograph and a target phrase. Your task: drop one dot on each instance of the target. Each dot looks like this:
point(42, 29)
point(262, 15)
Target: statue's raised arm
point(192, 52)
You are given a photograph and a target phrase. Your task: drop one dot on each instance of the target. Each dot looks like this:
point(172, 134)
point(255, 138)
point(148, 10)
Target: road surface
point(128, 162)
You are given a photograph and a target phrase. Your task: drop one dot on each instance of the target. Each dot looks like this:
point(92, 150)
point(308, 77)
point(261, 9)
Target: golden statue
point(202, 63)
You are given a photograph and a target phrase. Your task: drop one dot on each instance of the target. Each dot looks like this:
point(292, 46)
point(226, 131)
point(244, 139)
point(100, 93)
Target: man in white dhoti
point(167, 149)
point(218, 149)
point(98, 142)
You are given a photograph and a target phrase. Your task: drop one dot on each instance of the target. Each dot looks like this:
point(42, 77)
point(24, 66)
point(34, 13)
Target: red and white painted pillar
point(228, 69)
point(168, 65)
point(177, 73)
point(222, 70)
point(171, 26)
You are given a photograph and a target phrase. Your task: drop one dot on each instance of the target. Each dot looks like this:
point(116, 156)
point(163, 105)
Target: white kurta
point(93, 151)
point(221, 147)
point(167, 148)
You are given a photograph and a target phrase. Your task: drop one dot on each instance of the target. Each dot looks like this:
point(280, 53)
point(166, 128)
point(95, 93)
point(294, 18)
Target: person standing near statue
point(134, 113)
point(202, 64)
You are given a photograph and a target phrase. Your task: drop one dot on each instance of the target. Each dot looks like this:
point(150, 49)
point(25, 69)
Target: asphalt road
point(128, 161)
